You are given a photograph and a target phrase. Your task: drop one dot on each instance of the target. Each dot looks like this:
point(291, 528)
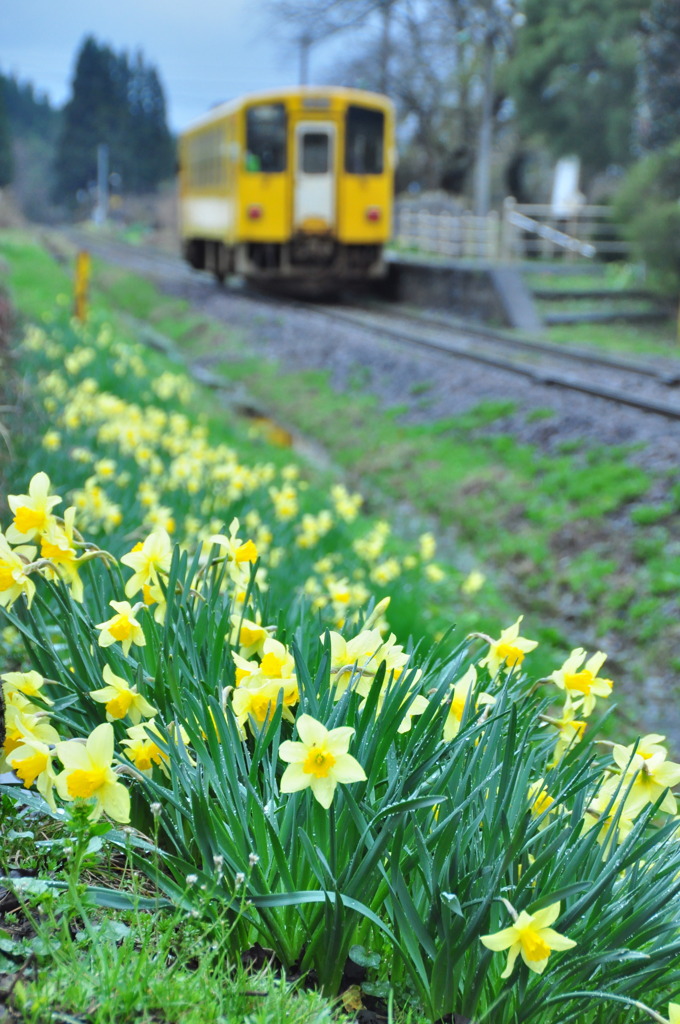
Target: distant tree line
point(649, 199)
point(116, 99)
point(6, 155)
point(600, 79)
point(528, 80)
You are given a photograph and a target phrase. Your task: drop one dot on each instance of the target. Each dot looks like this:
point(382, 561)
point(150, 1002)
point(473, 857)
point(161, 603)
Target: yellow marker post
point(83, 267)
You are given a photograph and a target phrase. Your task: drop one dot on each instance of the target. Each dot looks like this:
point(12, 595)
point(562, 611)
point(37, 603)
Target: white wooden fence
point(522, 231)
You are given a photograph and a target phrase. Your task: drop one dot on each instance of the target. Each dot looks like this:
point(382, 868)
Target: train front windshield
point(364, 141)
point(266, 132)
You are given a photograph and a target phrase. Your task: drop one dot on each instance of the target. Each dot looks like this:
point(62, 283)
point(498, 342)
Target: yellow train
point(292, 185)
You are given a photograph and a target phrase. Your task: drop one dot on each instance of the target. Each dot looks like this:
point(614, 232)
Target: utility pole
point(482, 179)
point(101, 210)
point(385, 45)
point(305, 47)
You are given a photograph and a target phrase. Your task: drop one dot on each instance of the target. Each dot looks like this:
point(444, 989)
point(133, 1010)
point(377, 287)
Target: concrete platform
point(490, 292)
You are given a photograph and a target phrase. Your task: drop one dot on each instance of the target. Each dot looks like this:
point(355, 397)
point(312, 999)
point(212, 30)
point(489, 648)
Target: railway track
point(650, 388)
point(541, 362)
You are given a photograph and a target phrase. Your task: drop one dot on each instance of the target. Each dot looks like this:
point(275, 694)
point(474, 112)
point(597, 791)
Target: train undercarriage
point(316, 258)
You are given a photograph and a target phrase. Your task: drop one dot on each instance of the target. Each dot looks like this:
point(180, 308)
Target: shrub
point(648, 204)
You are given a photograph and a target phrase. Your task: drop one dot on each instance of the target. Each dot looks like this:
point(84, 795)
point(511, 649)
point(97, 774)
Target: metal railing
point(523, 231)
point(456, 235)
point(534, 230)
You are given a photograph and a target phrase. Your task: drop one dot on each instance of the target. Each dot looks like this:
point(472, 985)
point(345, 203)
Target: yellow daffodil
point(674, 1013)
point(624, 816)
point(95, 507)
point(277, 662)
point(105, 469)
point(370, 546)
point(417, 706)
point(23, 723)
point(14, 580)
point(237, 551)
point(540, 800)
point(541, 804)
point(346, 505)
point(160, 517)
point(651, 771)
point(57, 545)
point(319, 761)
point(459, 699)
point(153, 594)
point(508, 651)
point(256, 701)
point(313, 528)
point(434, 573)
point(285, 502)
point(121, 699)
point(246, 669)
point(51, 440)
point(473, 582)
point(144, 751)
point(386, 572)
point(532, 936)
point(150, 560)
point(123, 627)
point(32, 511)
point(248, 636)
point(276, 665)
point(29, 684)
point(353, 658)
point(581, 682)
point(32, 763)
point(88, 774)
point(427, 546)
point(570, 727)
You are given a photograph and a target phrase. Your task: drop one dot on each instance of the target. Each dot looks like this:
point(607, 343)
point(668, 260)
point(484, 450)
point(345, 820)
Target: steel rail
point(581, 355)
point(545, 377)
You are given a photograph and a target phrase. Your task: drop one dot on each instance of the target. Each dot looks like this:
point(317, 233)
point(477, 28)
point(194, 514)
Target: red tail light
point(254, 212)
point(373, 213)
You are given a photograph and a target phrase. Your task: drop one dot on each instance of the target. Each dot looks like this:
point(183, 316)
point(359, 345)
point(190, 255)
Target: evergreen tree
point(118, 103)
point(28, 113)
point(6, 158)
point(150, 149)
point(573, 73)
point(92, 116)
point(660, 75)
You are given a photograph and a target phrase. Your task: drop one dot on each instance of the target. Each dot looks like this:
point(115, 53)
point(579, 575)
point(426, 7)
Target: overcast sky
point(205, 51)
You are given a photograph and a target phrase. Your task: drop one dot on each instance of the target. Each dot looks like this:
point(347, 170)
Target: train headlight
point(254, 212)
point(373, 213)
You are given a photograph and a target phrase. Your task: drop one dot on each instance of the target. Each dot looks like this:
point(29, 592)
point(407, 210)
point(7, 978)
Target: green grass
point(647, 339)
point(625, 338)
point(122, 967)
point(610, 276)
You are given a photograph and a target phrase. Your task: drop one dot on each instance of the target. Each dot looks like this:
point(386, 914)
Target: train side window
point(364, 141)
point(266, 138)
point(315, 153)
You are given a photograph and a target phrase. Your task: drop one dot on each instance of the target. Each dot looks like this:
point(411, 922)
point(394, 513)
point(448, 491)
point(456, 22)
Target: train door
point(314, 188)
